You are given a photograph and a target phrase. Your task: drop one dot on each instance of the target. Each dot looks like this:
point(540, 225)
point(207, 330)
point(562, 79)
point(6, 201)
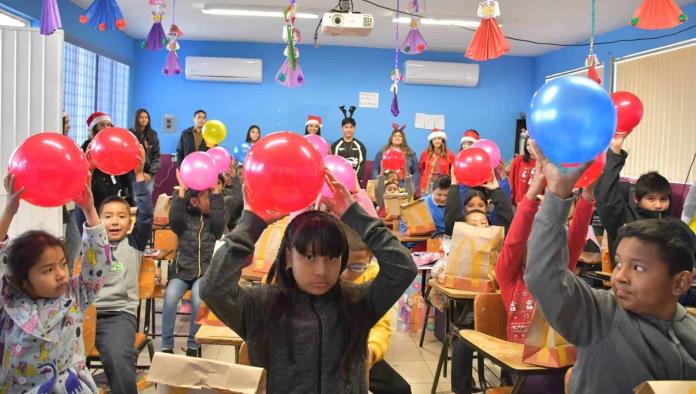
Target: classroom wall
point(334, 76)
point(574, 57)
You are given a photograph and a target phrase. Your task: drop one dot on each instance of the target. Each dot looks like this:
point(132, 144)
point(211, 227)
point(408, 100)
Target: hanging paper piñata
point(591, 61)
point(103, 15)
point(396, 73)
point(172, 65)
point(414, 43)
point(488, 42)
point(290, 73)
point(50, 17)
point(658, 14)
point(156, 38)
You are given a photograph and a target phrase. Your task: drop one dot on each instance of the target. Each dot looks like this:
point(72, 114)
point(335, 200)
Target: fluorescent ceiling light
point(267, 12)
point(442, 22)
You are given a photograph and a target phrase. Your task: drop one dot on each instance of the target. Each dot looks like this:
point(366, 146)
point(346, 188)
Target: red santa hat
point(313, 119)
point(470, 135)
point(437, 133)
point(97, 118)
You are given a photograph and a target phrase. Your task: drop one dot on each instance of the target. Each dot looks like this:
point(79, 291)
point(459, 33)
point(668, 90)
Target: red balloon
point(52, 169)
point(283, 173)
point(629, 111)
point(115, 151)
point(592, 172)
point(472, 167)
point(393, 159)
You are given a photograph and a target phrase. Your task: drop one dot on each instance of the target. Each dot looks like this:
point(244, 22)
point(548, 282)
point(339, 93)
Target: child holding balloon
point(198, 219)
point(309, 329)
point(42, 305)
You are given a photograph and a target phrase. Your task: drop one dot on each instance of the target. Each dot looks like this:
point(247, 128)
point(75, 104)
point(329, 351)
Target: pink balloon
point(221, 157)
point(198, 171)
point(491, 148)
point(319, 144)
point(342, 170)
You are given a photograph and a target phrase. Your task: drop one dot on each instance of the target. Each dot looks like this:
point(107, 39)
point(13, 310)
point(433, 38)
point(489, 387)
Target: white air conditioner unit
point(224, 69)
point(347, 24)
point(441, 73)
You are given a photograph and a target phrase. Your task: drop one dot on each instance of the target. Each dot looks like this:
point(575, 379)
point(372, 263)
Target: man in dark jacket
point(191, 139)
point(650, 200)
point(350, 148)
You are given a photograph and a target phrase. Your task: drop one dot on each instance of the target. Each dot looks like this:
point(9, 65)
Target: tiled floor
point(417, 365)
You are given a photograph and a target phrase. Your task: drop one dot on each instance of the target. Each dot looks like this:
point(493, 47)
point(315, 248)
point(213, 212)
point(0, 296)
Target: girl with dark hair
point(313, 125)
point(142, 128)
point(397, 140)
point(521, 173)
point(253, 134)
point(309, 329)
point(435, 161)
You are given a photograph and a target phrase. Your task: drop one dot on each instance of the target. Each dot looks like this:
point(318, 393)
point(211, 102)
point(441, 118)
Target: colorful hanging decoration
point(156, 39)
point(103, 15)
point(658, 14)
point(290, 73)
point(396, 73)
point(50, 17)
point(488, 42)
point(172, 65)
point(414, 43)
point(591, 61)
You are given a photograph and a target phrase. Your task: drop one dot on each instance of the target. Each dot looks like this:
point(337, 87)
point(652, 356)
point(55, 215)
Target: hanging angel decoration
point(290, 73)
point(104, 15)
point(395, 73)
point(414, 42)
point(488, 42)
point(156, 39)
point(658, 14)
point(172, 65)
point(50, 17)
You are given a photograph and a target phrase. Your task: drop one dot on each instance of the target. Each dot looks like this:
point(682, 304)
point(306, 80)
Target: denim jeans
point(175, 290)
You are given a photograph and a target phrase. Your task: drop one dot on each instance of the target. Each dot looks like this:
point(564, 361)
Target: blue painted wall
point(570, 58)
point(334, 76)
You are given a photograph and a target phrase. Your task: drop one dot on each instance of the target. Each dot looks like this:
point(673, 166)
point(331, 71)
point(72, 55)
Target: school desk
point(410, 238)
point(507, 355)
point(214, 335)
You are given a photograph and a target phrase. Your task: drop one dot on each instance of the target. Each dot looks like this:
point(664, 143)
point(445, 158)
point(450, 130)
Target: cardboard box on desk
point(544, 346)
point(418, 219)
point(472, 258)
point(393, 203)
point(667, 387)
point(176, 374)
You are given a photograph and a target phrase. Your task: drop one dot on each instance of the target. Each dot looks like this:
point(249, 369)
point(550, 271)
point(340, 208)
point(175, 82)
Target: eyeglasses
point(360, 268)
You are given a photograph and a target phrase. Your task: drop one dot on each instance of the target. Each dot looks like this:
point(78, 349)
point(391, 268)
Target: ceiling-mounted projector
point(347, 24)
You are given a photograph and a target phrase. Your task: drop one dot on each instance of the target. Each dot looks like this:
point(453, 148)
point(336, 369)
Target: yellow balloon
point(214, 132)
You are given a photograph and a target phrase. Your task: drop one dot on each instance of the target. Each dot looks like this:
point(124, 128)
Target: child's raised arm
point(143, 201)
point(11, 206)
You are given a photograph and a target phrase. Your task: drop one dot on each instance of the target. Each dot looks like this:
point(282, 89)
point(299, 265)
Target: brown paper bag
point(161, 212)
point(266, 250)
point(370, 189)
point(666, 387)
point(393, 203)
point(472, 258)
point(418, 219)
point(544, 346)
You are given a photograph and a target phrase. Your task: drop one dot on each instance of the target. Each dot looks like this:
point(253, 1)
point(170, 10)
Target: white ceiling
point(561, 21)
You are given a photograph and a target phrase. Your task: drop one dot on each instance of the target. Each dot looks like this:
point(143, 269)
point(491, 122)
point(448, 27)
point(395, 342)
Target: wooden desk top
point(453, 293)
point(508, 354)
point(212, 335)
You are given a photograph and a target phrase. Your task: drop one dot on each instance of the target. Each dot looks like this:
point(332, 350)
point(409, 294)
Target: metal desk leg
point(427, 314)
point(519, 383)
point(443, 353)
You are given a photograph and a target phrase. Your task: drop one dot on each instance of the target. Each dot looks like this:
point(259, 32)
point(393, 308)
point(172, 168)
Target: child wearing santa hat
point(313, 125)
point(470, 137)
point(435, 161)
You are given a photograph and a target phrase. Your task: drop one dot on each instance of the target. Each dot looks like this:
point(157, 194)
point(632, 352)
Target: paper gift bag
point(544, 346)
point(206, 317)
point(472, 257)
point(666, 387)
point(418, 219)
point(161, 213)
point(266, 250)
point(370, 189)
point(393, 203)
point(176, 374)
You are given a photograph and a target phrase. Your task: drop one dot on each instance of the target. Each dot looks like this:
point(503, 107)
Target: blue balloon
point(571, 119)
point(240, 152)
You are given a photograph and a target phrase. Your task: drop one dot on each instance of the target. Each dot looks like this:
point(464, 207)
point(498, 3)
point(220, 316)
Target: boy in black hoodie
point(650, 200)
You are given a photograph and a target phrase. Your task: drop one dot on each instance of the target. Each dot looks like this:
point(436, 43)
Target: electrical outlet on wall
point(169, 123)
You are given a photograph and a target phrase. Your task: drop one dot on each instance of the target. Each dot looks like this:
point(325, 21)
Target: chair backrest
point(243, 355)
point(566, 381)
point(89, 329)
point(166, 241)
point(146, 278)
point(490, 316)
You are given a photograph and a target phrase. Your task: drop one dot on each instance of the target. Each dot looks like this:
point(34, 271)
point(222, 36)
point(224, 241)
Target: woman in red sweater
point(521, 174)
point(435, 161)
point(518, 301)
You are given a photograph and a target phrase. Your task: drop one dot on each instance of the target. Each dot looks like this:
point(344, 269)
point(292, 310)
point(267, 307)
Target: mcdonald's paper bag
point(666, 387)
point(266, 250)
point(176, 374)
point(472, 258)
point(544, 346)
point(418, 219)
point(161, 213)
point(393, 203)
point(370, 189)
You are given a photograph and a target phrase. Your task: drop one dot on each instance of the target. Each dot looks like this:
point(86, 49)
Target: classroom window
point(94, 83)
point(8, 19)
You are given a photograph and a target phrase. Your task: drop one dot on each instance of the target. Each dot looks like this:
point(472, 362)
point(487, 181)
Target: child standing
point(198, 219)
point(309, 329)
point(42, 306)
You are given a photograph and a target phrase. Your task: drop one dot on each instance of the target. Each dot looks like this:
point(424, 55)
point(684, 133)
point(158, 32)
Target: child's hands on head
point(492, 182)
point(140, 170)
point(267, 216)
point(560, 181)
point(538, 183)
point(617, 142)
point(341, 199)
point(182, 185)
point(13, 196)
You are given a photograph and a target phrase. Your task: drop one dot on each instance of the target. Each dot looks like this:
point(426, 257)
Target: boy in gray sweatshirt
point(634, 332)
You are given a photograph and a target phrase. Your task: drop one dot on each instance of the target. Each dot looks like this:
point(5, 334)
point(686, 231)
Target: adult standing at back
point(191, 139)
point(147, 136)
point(349, 147)
point(397, 140)
point(435, 161)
